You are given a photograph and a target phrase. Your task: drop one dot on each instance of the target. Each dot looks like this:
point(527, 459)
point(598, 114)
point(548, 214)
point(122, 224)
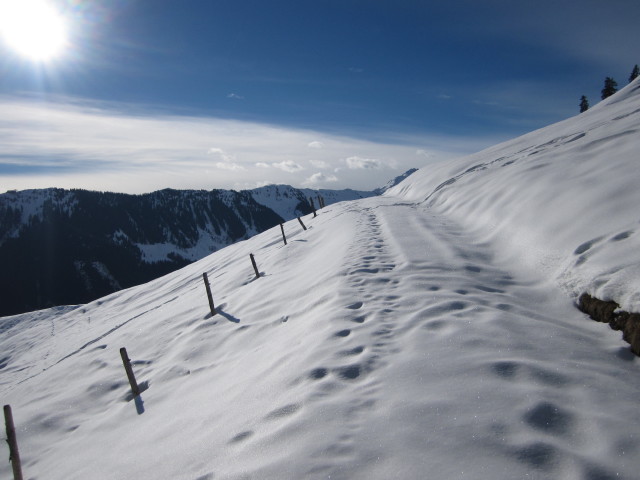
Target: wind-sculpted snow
point(562, 199)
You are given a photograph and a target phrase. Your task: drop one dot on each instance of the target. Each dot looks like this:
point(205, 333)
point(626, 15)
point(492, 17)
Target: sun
point(33, 29)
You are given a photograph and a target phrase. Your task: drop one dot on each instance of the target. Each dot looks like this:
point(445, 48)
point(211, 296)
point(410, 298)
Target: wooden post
point(14, 455)
point(127, 367)
point(284, 237)
point(300, 220)
point(255, 267)
point(209, 296)
point(313, 207)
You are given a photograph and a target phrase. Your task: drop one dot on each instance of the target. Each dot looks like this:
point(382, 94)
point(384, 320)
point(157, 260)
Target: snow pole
point(300, 220)
point(284, 237)
point(14, 455)
point(313, 207)
point(255, 267)
point(127, 367)
point(209, 296)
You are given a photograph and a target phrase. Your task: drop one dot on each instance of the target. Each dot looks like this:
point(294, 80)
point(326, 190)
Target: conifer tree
point(584, 104)
point(634, 74)
point(610, 87)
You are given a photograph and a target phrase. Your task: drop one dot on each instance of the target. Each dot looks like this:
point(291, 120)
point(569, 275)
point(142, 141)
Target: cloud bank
point(358, 163)
point(73, 143)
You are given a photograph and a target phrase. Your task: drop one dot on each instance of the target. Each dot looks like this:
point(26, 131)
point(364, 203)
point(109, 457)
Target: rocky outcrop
point(609, 312)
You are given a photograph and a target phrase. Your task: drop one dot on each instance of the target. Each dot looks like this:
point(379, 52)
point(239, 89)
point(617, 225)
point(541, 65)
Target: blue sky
point(150, 94)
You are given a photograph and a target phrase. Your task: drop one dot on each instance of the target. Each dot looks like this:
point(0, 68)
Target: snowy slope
point(415, 335)
point(563, 199)
point(286, 201)
point(395, 181)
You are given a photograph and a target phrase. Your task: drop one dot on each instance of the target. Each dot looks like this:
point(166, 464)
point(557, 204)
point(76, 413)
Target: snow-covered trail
point(456, 382)
point(383, 342)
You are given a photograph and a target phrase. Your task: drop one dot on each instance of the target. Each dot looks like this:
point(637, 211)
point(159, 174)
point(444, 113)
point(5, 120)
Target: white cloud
point(359, 163)
point(318, 178)
point(222, 154)
point(228, 160)
point(229, 166)
point(235, 96)
point(320, 164)
point(69, 142)
point(288, 166)
point(423, 153)
point(316, 144)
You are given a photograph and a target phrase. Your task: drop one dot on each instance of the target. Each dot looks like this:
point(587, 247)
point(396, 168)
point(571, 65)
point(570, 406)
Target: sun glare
point(33, 28)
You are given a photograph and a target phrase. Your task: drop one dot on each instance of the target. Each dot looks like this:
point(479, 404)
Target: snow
point(31, 204)
point(284, 199)
point(427, 333)
point(207, 242)
point(560, 199)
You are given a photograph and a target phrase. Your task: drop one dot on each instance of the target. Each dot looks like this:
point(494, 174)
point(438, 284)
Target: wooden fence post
point(255, 267)
point(284, 237)
point(209, 296)
point(127, 367)
point(300, 220)
point(14, 455)
point(313, 207)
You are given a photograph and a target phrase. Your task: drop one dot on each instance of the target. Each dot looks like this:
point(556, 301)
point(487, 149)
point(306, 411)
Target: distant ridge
point(392, 183)
point(62, 247)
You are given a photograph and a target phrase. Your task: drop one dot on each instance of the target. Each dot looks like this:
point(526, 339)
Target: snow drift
point(562, 199)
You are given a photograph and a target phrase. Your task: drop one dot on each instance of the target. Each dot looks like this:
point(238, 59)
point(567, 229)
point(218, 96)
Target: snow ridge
point(558, 198)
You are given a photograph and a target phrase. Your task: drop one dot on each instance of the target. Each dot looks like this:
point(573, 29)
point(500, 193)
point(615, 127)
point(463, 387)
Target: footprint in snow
point(353, 352)
point(584, 247)
point(350, 372)
point(622, 236)
point(318, 373)
point(241, 437)
point(505, 369)
point(283, 412)
point(549, 418)
point(538, 455)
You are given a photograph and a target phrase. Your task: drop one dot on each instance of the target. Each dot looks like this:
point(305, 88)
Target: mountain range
point(62, 247)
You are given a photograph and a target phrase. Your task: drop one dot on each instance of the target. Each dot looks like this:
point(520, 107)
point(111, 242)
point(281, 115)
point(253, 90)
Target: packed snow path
point(383, 342)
